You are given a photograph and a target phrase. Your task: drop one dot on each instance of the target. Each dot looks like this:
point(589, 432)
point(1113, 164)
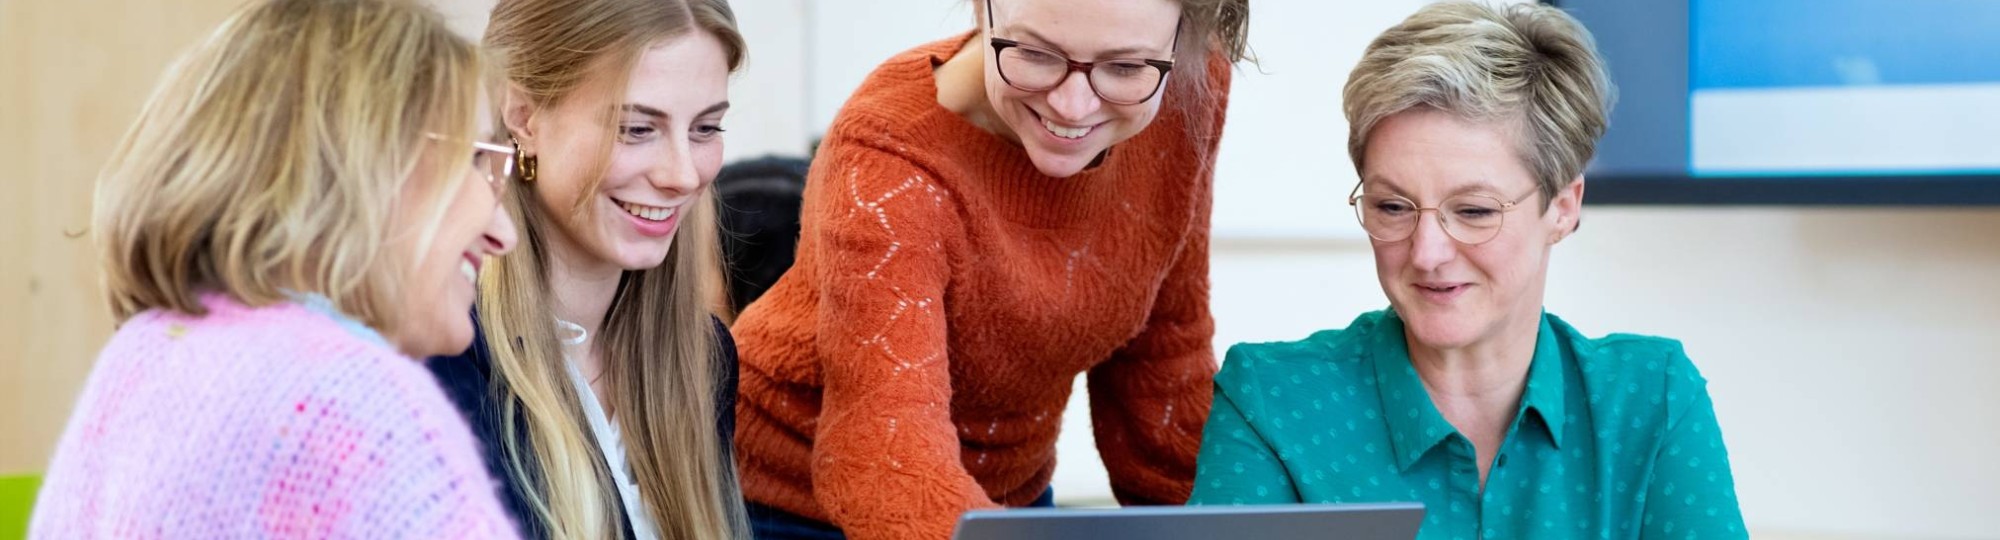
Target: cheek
point(1390, 260)
point(1510, 261)
point(1135, 118)
point(708, 162)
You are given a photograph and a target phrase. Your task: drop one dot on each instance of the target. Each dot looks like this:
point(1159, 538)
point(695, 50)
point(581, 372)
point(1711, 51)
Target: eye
point(708, 131)
point(636, 133)
point(1475, 212)
point(1124, 68)
point(1039, 57)
point(1391, 207)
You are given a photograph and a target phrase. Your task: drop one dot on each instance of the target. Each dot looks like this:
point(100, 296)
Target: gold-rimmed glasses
point(1471, 219)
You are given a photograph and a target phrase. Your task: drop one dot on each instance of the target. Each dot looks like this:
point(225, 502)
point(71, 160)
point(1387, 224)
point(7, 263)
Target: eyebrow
point(1475, 186)
point(719, 106)
point(1113, 54)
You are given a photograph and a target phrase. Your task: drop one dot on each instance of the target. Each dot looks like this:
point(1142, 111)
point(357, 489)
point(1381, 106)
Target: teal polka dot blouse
point(1614, 438)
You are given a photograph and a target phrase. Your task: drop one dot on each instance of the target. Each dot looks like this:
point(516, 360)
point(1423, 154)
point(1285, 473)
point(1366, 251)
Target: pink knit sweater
point(274, 422)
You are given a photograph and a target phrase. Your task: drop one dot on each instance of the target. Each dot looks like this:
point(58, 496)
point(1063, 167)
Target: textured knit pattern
point(916, 361)
point(270, 422)
point(1614, 438)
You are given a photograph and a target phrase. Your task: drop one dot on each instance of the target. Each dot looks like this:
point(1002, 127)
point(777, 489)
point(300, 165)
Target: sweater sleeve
point(1149, 401)
point(885, 463)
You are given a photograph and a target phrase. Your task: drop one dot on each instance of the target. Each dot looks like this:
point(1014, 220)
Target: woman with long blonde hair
point(602, 386)
point(301, 208)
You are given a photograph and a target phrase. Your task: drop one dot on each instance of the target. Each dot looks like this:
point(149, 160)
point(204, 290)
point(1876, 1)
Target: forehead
point(1080, 27)
point(668, 75)
point(1432, 153)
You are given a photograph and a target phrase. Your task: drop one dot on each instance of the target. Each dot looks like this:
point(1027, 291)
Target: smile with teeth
point(470, 271)
point(648, 213)
point(1065, 132)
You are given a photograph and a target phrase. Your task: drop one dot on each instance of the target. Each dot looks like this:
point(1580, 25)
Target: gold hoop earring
point(523, 162)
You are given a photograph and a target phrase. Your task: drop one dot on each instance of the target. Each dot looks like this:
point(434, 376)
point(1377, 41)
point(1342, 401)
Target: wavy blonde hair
point(657, 341)
point(272, 155)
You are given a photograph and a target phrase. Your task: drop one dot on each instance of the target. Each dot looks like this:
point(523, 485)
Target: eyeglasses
point(496, 160)
point(1123, 81)
point(1469, 219)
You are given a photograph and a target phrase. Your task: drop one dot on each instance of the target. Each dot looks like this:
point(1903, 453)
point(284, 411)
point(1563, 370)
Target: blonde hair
point(271, 157)
point(1529, 64)
point(657, 343)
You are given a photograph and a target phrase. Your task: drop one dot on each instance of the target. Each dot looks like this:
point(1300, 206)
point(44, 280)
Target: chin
point(1439, 330)
point(637, 256)
point(1061, 164)
point(1058, 166)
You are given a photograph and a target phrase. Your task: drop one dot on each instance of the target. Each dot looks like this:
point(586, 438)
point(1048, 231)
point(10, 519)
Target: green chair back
point(17, 502)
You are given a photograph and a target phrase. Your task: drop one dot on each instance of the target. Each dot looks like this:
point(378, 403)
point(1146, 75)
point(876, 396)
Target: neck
point(1489, 372)
point(961, 88)
point(583, 286)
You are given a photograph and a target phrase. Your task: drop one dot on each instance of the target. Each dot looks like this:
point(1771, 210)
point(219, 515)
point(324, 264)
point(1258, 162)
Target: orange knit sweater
point(916, 360)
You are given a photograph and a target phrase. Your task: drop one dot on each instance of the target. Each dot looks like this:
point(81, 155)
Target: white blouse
point(614, 455)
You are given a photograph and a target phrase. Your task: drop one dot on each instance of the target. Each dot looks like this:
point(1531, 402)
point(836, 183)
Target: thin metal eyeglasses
point(1469, 219)
point(1122, 81)
point(495, 160)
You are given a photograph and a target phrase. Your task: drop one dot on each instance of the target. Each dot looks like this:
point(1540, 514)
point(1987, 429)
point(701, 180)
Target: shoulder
point(1631, 371)
point(894, 100)
point(1326, 356)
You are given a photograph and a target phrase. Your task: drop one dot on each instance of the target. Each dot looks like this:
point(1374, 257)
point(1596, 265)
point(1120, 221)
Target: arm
point(1692, 493)
point(886, 459)
point(1148, 402)
point(1237, 466)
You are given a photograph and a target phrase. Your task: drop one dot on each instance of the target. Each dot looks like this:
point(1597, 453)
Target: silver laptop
point(1383, 521)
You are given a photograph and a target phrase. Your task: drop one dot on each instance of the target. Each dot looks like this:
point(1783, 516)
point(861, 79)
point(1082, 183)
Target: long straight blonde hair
point(272, 154)
point(658, 339)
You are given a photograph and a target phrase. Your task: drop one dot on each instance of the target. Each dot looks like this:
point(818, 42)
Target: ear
point(1568, 207)
point(517, 112)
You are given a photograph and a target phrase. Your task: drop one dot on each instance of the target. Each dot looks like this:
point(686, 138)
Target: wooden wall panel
point(75, 74)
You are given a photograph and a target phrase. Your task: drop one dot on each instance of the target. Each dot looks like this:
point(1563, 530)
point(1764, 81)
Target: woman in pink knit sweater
point(301, 208)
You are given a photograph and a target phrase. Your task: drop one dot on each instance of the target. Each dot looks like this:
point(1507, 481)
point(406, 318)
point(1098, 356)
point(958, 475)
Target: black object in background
point(759, 220)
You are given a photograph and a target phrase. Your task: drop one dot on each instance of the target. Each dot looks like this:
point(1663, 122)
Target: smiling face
point(1064, 128)
point(666, 149)
point(1449, 294)
point(443, 282)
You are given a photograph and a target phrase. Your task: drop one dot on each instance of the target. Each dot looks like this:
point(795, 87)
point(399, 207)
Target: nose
point(1430, 246)
point(673, 170)
point(500, 234)
point(1073, 100)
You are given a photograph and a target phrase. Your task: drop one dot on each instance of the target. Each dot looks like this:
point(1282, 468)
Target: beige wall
point(77, 71)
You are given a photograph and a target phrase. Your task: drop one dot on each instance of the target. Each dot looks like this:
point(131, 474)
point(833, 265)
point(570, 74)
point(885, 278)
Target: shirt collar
point(1416, 426)
point(319, 303)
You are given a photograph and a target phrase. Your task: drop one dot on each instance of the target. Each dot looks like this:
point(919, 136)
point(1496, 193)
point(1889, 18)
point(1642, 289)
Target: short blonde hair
point(1529, 64)
point(271, 157)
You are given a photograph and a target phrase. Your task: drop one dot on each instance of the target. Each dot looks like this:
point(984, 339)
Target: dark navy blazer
point(468, 380)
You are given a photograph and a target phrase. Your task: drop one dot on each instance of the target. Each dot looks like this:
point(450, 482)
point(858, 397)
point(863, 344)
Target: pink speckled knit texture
point(271, 422)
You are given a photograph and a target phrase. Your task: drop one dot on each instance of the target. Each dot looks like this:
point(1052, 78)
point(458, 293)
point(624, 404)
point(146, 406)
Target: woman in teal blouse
point(1470, 127)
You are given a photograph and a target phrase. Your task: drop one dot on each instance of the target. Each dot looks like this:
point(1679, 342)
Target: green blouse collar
point(1416, 426)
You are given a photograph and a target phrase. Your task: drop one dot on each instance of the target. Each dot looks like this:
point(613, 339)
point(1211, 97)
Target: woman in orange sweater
point(988, 217)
